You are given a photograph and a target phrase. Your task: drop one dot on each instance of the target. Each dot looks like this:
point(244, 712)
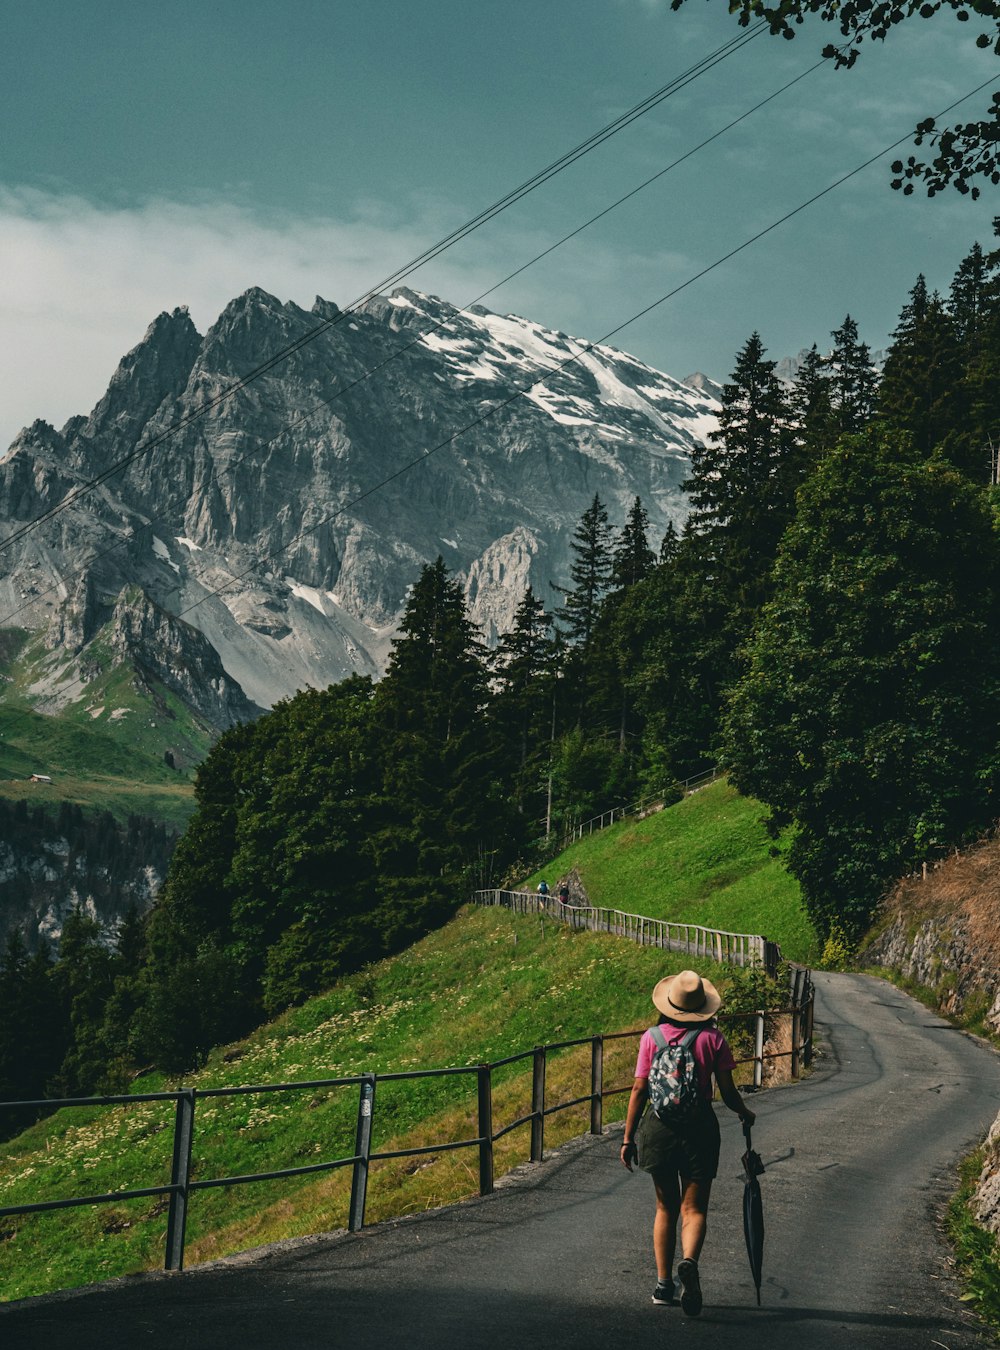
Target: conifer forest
point(823, 626)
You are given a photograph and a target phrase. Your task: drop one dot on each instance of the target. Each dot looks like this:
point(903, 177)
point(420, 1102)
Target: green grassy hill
point(87, 767)
point(487, 985)
point(106, 751)
point(707, 860)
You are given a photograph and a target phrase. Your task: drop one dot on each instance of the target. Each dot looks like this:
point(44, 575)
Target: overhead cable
point(399, 351)
point(557, 166)
point(584, 351)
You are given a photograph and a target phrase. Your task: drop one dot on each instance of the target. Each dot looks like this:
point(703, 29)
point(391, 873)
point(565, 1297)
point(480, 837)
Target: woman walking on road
point(678, 1144)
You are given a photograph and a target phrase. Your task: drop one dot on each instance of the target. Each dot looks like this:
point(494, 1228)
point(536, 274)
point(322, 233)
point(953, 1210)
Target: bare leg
point(665, 1226)
point(694, 1216)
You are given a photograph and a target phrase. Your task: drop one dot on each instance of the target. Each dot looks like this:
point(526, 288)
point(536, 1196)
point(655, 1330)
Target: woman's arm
point(636, 1102)
point(730, 1095)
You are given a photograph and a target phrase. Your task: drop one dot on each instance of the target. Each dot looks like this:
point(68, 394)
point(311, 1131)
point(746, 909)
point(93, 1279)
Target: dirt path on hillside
point(859, 1161)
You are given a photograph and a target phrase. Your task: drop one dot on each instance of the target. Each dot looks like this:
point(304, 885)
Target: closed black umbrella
point(753, 1211)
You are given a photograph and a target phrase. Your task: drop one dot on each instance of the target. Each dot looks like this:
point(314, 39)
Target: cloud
point(83, 280)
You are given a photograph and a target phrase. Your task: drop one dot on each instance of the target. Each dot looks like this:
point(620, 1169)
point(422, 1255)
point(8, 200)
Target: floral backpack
point(673, 1078)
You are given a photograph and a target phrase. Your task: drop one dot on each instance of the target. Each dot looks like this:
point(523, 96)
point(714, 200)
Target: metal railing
point(182, 1186)
point(714, 944)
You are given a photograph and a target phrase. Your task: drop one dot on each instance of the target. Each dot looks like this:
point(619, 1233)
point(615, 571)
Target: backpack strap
point(659, 1038)
point(685, 1043)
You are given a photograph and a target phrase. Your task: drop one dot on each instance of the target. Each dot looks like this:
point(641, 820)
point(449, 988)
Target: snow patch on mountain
point(285, 526)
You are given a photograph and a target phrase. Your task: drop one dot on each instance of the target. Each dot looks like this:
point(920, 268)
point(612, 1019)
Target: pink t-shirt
point(711, 1051)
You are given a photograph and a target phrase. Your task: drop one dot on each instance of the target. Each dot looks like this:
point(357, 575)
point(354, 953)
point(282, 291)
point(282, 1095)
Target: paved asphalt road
point(859, 1161)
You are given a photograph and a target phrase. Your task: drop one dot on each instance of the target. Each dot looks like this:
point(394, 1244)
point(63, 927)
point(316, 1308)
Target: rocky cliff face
point(170, 652)
point(261, 539)
point(52, 863)
point(943, 931)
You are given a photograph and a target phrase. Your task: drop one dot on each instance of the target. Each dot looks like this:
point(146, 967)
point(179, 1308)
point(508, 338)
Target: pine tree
point(684, 626)
point(83, 979)
point(440, 805)
point(302, 875)
point(853, 379)
point(522, 709)
point(975, 308)
point(669, 543)
point(811, 408)
point(680, 624)
point(973, 298)
point(921, 387)
point(740, 485)
point(194, 990)
point(632, 558)
point(590, 573)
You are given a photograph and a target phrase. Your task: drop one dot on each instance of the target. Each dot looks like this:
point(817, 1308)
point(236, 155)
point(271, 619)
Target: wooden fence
point(713, 944)
point(644, 807)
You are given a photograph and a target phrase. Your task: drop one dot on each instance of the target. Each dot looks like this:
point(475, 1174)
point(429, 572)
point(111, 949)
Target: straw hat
point(687, 998)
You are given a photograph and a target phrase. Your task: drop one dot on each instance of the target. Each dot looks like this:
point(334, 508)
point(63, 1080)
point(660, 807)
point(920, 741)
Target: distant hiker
point(543, 888)
point(677, 1139)
point(564, 894)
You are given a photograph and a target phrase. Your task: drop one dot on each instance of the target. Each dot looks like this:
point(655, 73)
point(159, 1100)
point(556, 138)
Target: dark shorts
point(691, 1149)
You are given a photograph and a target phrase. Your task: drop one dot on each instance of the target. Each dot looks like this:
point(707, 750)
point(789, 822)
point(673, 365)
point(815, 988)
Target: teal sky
point(176, 154)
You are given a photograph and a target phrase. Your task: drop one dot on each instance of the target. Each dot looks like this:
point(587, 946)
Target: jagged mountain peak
point(40, 436)
point(154, 371)
point(325, 309)
point(704, 384)
point(285, 525)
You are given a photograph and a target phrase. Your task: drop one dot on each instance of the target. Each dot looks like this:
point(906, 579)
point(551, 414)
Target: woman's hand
point(629, 1155)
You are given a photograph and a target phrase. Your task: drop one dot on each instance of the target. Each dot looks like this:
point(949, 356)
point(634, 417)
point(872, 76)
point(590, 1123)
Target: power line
point(653, 100)
point(408, 346)
point(584, 351)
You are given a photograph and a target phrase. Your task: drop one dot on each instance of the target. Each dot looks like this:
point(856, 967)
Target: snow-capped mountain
point(265, 540)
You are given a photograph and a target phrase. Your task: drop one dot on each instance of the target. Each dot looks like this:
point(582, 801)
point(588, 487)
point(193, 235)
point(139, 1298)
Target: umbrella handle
point(746, 1133)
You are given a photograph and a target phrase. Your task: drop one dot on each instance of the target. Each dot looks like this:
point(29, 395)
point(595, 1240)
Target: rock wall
point(986, 1203)
point(943, 931)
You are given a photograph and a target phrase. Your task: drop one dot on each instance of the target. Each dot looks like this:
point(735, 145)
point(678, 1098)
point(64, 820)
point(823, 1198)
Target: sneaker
point(663, 1294)
point(690, 1287)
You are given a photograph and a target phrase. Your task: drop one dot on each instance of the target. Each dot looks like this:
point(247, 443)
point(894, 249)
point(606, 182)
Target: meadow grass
point(116, 766)
point(487, 985)
point(708, 860)
point(977, 1250)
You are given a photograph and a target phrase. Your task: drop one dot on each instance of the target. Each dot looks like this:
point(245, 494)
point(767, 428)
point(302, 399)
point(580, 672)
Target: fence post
point(362, 1152)
point(484, 1076)
point(180, 1172)
point(810, 1005)
point(538, 1104)
point(796, 1020)
point(597, 1085)
point(758, 1052)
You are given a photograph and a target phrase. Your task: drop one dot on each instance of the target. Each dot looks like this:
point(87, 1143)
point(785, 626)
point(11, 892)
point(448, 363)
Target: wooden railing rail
point(644, 805)
point(712, 944)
